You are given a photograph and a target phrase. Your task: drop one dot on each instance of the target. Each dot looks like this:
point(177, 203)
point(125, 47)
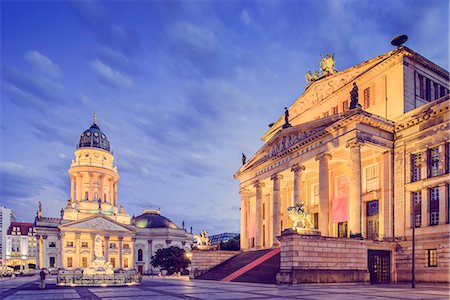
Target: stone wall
point(316, 259)
point(203, 260)
point(424, 273)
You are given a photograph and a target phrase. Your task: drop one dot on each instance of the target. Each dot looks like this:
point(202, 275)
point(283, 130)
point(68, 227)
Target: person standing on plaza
point(42, 279)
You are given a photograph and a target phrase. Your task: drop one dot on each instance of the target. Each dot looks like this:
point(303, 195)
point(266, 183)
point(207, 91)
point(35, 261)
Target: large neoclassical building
point(367, 170)
point(128, 242)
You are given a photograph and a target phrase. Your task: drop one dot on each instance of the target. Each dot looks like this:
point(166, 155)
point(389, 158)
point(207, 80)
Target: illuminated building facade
point(6, 217)
point(361, 170)
point(20, 247)
point(128, 243)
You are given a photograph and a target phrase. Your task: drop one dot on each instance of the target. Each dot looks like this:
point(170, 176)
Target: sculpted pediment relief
point(98, 223)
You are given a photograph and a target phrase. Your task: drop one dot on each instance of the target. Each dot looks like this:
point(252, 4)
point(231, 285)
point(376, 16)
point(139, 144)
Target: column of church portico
point(44, 252)
point(354, 223)
point(297, 169)
point(77, 262)
point(92, 247)
point(244, 221)
point(324, 194)
point(276, 204)
point(38, 252)
point(259, 193)
point(150, 250)
point(106, 248)
point(120, 252)
point(72, 188)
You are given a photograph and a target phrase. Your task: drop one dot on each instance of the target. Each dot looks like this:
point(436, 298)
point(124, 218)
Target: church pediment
point(97, 223)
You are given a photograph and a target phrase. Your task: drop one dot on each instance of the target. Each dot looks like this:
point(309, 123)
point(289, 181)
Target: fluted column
point(150, 250)
point(79, 186)
point(324, 194)
point(297, 169)
point(259, 191)
point(115, 193)
point(38, 252)
point(77, 262)
point(276, 208)
point(120, 252)
point(91, 188)
point(244, 220)
point(132, 265)
point(72, 188)
point(44, 252)
point(92, 247)
point(106, 248)
point(354, 223)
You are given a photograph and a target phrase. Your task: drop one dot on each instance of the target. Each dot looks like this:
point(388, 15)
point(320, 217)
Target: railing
point(99, 279)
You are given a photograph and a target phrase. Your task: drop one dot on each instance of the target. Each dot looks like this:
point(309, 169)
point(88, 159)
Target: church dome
point(94, 137)
point(153, 219)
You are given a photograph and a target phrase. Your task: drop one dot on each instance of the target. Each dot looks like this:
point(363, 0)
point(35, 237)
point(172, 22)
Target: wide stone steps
point(253, 266)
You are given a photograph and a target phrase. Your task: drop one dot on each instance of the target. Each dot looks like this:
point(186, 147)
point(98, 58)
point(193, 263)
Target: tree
point(172, 259)
point(232, 244)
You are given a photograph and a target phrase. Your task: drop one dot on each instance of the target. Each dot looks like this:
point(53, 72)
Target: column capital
point(107, 237)
point(297, 168)
point(77, 234)
point(324, 155)
point(120, 238)
point(258, 184)
point(149, 242)
point(38, 236)
point(354, 143)
point(244, 191)
point(276, 177)
point(44, 237)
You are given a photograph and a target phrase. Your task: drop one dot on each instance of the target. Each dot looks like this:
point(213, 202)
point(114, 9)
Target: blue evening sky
point(180, 88)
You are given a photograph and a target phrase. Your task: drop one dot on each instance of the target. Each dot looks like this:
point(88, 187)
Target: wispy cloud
point(110, 76)
point(42, 63)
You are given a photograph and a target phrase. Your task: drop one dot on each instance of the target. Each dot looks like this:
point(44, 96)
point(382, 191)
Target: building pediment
point(96, 223)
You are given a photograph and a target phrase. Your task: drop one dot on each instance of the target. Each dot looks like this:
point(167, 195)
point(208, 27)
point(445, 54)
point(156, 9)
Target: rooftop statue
point(244, 159)
point(286, 118)
point(299, 217)
point(354, 97)
point(327, 64)
point(202, 238)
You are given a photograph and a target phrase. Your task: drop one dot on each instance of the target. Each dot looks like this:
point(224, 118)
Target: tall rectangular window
point(345, 105)
point(84, 262)
point(316, 220)
point(315, 194)
point(52, 261)
point(263, 211)
point(325, 114)
point(415, 166)
point(416, 198)
point(125, 262)
point(433, 161)
point(372, 178)
point(367, 98)
point(335, 110)
point(342, 229)
point(427, 89)
point(69, 262)
point(421, 87)
point(434, 206)
point(113, 261)
point(432, 257)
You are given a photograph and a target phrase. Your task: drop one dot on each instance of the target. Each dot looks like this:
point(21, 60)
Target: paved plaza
point(183, 288)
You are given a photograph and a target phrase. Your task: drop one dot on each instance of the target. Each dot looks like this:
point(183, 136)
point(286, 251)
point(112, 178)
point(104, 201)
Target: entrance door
point(372, 222)
point(140, 270)
point(379, 266)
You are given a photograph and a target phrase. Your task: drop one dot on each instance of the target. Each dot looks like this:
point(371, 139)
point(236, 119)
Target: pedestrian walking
point(42, 279)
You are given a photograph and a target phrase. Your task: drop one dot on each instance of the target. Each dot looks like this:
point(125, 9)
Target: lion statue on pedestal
point(300, 219)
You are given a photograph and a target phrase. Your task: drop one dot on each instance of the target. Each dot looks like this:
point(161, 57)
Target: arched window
point(86, 195)
point(140, 254)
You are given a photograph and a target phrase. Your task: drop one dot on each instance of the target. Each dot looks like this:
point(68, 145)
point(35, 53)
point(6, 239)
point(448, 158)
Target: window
point(125, 262)
point(86, 194)
point(433, 161)
point(52, 261)
point(140, 255)
point(372, 178)
point(126, 246)
point(367, 98)
point(427, 89)
point(52, 245)
point(342, 229)
point(416, 198)
point(447, 158)
point(345, 105)
point(421, 87)
point(315, 194)
point(113, 261)
point(84, 262)
point(69, 244)
point(335, 110)
point(325, 114)
point(69, 262)
point(84, 244)
point(112, 246)
point(263, 211)
point(434, 206)
point(432, 258)
point(415, 167)
point(316, 220)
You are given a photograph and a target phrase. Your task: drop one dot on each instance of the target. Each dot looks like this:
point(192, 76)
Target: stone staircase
point(254, 266)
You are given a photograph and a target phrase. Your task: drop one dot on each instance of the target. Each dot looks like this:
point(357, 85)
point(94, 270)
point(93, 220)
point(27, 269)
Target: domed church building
point(93, 208)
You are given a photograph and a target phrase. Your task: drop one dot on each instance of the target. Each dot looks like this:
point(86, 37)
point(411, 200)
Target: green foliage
point(172, 259)
point(233, 244)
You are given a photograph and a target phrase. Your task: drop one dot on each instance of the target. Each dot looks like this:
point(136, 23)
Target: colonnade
point(323, 159)
point(77, 192)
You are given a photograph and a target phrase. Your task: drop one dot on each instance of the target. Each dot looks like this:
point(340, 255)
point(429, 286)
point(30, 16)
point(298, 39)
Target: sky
point(180, 88)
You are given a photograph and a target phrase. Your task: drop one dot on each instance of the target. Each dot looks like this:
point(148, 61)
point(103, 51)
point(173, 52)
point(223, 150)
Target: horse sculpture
point(202, 239)
point(301, 219)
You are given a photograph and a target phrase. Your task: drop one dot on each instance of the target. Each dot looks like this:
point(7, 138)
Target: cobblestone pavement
point(183, 288)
